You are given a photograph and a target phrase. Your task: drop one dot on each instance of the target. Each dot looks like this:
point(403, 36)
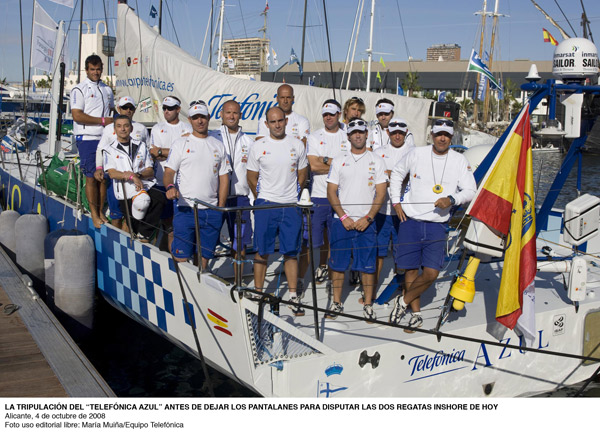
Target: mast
point(219, 63)
point(370, 49)
point(160, 18)
point(355, 41)
point(476, 96)
point(303, 36)
point(80, 31)
point(486, 103)
point(57, 80)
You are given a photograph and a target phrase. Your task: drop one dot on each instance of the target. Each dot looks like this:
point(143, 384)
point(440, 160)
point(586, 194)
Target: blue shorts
point(320, 220)
point(184, 232)
point(169, 208)
point(345, 245)
point(113, 202)
point(239, 201)
point(283, 222)
point(87, 155)
point(387, 227)
point(421, 244)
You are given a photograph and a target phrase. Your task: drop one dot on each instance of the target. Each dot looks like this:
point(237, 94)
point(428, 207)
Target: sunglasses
point(197, 102)
point(358, 123)
point(397, 124)
point(169, 108)
point(127, 107)
point(446, 122)
point(360, 100)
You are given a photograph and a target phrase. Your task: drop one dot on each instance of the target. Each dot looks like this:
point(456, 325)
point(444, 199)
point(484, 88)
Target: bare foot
point(104, 219)
point(97, 221)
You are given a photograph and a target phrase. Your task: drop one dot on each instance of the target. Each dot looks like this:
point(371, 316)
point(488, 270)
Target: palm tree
point(411, 83)
point(466, 105)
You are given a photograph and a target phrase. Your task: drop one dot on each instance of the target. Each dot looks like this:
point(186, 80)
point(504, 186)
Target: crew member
point(130, 166)
point(356, 189)
point(353, 108)
point(92, 103)
point(162, 137)
point(439, 179)
point(237, 147)
point(297, 125)
point(278, 164)
point(200, 164)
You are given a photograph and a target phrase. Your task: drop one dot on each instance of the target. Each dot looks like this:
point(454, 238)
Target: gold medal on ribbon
point(438, 189)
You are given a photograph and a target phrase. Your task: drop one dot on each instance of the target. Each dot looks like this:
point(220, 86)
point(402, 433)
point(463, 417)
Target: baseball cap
point(384, 108)
point(140, 204)
point(398, 124)
point(198, 109)
point(440, 125)
point(330, 108)
point(123, 101)
point(170, 102)
point(356, 125)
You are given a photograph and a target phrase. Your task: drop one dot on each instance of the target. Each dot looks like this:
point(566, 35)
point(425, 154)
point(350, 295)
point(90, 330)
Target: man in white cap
point(355, 188)
point(297, 125)
point(197, 168)
point(384, 111)
point(324, 146)
point(162, 136)
point(237, 147)
point(439, 179)
point(92, 103)
point(131, 168)
point(126, 106)
point(386, 221)
point(276, 166)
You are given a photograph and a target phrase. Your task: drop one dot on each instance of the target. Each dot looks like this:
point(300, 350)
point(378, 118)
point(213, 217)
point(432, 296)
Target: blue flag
point(153, 12)
point(477, 65)
point(294, 59)
point(400, 90)
point(442, 97)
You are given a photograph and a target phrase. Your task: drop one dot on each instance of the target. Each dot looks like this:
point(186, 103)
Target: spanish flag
point(549, 38)
point(505, 202)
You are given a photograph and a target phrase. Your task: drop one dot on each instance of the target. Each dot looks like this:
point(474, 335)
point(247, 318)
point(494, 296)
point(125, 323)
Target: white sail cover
point(148, 68)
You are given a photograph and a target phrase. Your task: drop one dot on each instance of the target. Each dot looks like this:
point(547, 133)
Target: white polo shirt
point(139, 132)
point(378, 137)
point(452, 171)
point(237, 148)
point(356, 176)
point(134, 157)
point(322, 143)
point(198, 162)
point(163, 135)
point(94, 99)
point(277, 163)
point(297, 126)
point(391, 156)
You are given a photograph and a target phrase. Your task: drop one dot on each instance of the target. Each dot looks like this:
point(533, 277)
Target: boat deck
point(37, 356)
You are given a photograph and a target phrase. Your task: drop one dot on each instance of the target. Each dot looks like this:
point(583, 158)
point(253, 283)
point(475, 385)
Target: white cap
point(384, 108)
point(140, 204)
point(356, 125)
point(330, 108)
point(398, 124)
point(170, 101)
point(126, 100)
point(198, 109)
point(443, 127)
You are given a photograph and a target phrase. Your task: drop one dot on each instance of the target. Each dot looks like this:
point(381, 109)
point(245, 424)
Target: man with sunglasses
point(202, 169)
point(92, 104)
point(324, 146)
point(297, 125)
point(126, 106)
point(439, 179)
point(386, 221)
point(356, 189)
point(162, 137)
point(384, 111)
point(279, 163)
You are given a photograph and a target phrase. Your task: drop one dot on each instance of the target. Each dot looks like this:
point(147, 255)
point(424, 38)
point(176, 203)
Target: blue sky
point(424, 23)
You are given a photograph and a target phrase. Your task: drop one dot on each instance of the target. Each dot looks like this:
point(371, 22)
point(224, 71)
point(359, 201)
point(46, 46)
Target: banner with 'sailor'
point(149, 68)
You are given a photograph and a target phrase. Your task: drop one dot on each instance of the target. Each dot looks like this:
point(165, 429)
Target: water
point(138, 363)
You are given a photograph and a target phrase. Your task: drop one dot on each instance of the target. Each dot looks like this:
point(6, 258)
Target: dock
point(38, 358)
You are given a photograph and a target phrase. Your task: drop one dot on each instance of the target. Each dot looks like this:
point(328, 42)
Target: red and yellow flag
point(505, 201)
point(549, 38)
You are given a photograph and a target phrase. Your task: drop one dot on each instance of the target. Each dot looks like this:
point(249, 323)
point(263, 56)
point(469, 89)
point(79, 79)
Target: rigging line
point(206, 32)
point(350, 46)
point(563, 14)
point(110, 64)
point(588, 22)
point(243, 21)
point(329, 48)
point(408, 56)
point(172, 23)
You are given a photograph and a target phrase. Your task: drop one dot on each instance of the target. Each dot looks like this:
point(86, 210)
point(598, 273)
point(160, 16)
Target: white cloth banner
point(68, 3)
point(44, 38)
point(149, 68)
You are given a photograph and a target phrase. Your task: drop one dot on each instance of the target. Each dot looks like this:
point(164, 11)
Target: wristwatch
point(326, 160)
point(369, 219)
point(452, 200)
point(160, 152)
